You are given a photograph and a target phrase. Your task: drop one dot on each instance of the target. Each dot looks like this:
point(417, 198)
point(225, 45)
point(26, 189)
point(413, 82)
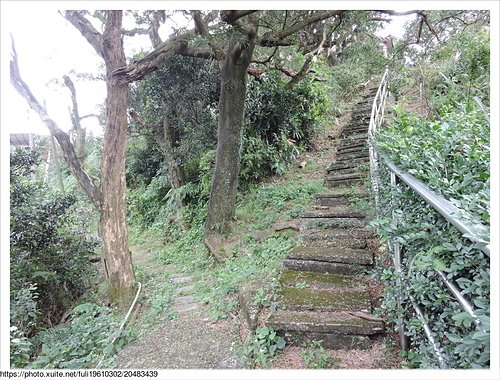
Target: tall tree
point(230, 37)
point(109, 198)
point(117, 257)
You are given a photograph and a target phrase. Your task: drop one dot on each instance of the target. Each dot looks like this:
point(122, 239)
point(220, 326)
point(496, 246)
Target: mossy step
point(340, 241)
point(316, 223)
point(328, 340)
point(332, 202)
point(350, 149)
point(332, 212)
point(355, 130)
point(343, 182)
point(333, 254)
point(325, 322)
point(353, 299)
point(357, 136)
point(348, 143)
point(343, 192)
point(349, 164)
point(323, 267)
point(338, 233)
point(338, 176)
point(315, 280)
point(349, 156)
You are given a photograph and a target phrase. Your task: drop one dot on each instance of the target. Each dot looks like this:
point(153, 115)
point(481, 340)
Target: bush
point(92, 334)
point(449, 153)
point(50, 247)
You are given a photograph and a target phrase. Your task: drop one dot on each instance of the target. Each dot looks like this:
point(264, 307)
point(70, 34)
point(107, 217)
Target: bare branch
point(268, 58)
point(274, 38)
point(62, 138)
point(98, 117)
point(87, 30)
point(154, 26)
point(306, 68)
point(424, 17)
point(135, 31)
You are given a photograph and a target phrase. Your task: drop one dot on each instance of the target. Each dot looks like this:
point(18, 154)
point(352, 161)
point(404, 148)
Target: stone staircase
point(322, 294)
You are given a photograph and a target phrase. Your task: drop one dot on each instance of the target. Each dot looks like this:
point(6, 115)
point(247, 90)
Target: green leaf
point(281, 342)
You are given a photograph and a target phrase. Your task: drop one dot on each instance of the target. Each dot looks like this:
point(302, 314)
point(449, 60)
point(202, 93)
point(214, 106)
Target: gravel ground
point(190, 341)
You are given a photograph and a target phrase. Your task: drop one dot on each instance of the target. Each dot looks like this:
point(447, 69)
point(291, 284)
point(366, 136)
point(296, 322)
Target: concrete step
point(352, 149)
point(345, 178)
point(327, 223)
point(336, 242)
point(323, 267)
point(336, 330)
point(314, 280)
point(315, 236)
point(354, 129)
point(332, 212)
point(340, 196)
point(333, 254)
point(347, 144)
point(346, 299)
point(350, 156)
point(356, 163)
point(356, 136)
point(344, 182)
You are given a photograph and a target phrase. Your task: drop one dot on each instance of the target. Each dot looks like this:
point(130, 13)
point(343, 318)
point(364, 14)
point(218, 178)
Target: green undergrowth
point(256, 251)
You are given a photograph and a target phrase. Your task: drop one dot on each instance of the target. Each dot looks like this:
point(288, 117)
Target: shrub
point(92, 334)
point(449, 153)
point(50, 246)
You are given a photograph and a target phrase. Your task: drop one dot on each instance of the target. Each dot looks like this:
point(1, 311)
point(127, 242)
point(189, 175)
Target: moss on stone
point(325, 300)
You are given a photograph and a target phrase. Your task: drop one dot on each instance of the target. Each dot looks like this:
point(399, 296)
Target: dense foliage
point(50, 249)
point(279, 124)
point(449, 151)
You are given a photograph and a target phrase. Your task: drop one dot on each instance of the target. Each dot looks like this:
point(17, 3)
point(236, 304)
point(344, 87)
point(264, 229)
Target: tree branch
point(154, 26)
point(87, 30)
point(274, 38)
point(133, 32)
point(62, 138)
point(268, 58)
point(424, 17)
point(230, 17)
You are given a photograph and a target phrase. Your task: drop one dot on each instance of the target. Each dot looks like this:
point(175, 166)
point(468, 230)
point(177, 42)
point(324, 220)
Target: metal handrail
point(447, 209)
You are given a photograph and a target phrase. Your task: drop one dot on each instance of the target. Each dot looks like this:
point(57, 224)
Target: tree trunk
point(76, 120)
point(117, 257)
point(57, 166)
point(229, 143)
point(170, 141)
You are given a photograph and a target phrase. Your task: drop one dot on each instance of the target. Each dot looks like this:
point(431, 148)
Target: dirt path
point(191, 340)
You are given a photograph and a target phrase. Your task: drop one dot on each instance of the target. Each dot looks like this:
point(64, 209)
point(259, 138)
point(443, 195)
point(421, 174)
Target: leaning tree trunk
point(116, 255)
point(229, 143)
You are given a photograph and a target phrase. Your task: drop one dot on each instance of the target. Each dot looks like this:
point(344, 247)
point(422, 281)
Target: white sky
point(48, 47)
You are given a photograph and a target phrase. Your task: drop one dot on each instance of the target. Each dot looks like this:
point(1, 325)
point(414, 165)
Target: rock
point(285, 225)
point(246, 297)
